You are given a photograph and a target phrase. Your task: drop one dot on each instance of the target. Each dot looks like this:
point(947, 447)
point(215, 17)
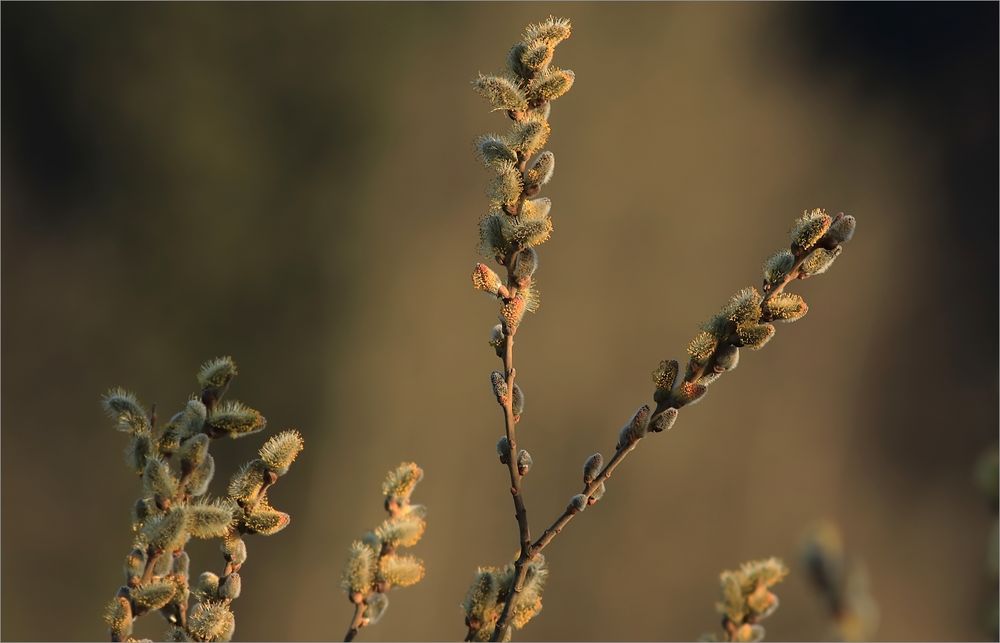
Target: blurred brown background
point(294, 185)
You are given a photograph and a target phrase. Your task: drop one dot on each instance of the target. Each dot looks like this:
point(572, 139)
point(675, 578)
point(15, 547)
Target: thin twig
point(588, 490)
point(152, 557)
point(359, 615)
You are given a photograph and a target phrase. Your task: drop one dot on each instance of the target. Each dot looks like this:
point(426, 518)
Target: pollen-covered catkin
point(663, 378)
point(778, 266)
point(808, 229)
point(512, 312)
point(529, 135)
point(502, 92)
point(551, 84)
point(210, 520)
point(264, 520)
point(819, 261)
point(280, 451)
point(541, 170)
point(787, 307)
point(493, 151)
point(234, 420)
point(486, 280)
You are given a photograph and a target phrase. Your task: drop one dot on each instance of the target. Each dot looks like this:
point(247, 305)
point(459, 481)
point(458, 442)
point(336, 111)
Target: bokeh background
point(294, 185)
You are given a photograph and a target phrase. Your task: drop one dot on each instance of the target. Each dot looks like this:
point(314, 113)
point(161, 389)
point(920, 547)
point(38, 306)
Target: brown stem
point(520, 512)
point(503, 623)
point(269, 479)
point(182, 493)
point(588, 490)
point(520, 566)
point(152, 557)
point(356, 622)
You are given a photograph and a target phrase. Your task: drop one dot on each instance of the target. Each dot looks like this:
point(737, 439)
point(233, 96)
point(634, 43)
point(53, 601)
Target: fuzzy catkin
point(171, 509)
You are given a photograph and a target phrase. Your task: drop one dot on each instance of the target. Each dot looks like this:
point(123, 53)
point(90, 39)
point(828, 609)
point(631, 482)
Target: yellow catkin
point(702, 346)
point(485, 279)
point(513, 311)
point(809, 228)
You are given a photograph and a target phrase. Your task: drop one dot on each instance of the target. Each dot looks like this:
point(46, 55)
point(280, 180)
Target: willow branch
point(695, 374)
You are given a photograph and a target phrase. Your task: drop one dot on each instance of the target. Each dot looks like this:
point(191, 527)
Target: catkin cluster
point(175, 467)
point(490, 592)
point(745, 321)
point(518, 219)
point(374, 565)
point(747, 598)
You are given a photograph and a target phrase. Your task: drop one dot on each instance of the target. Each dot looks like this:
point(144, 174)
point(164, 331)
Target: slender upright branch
point(520, 513)
point(517, 223)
